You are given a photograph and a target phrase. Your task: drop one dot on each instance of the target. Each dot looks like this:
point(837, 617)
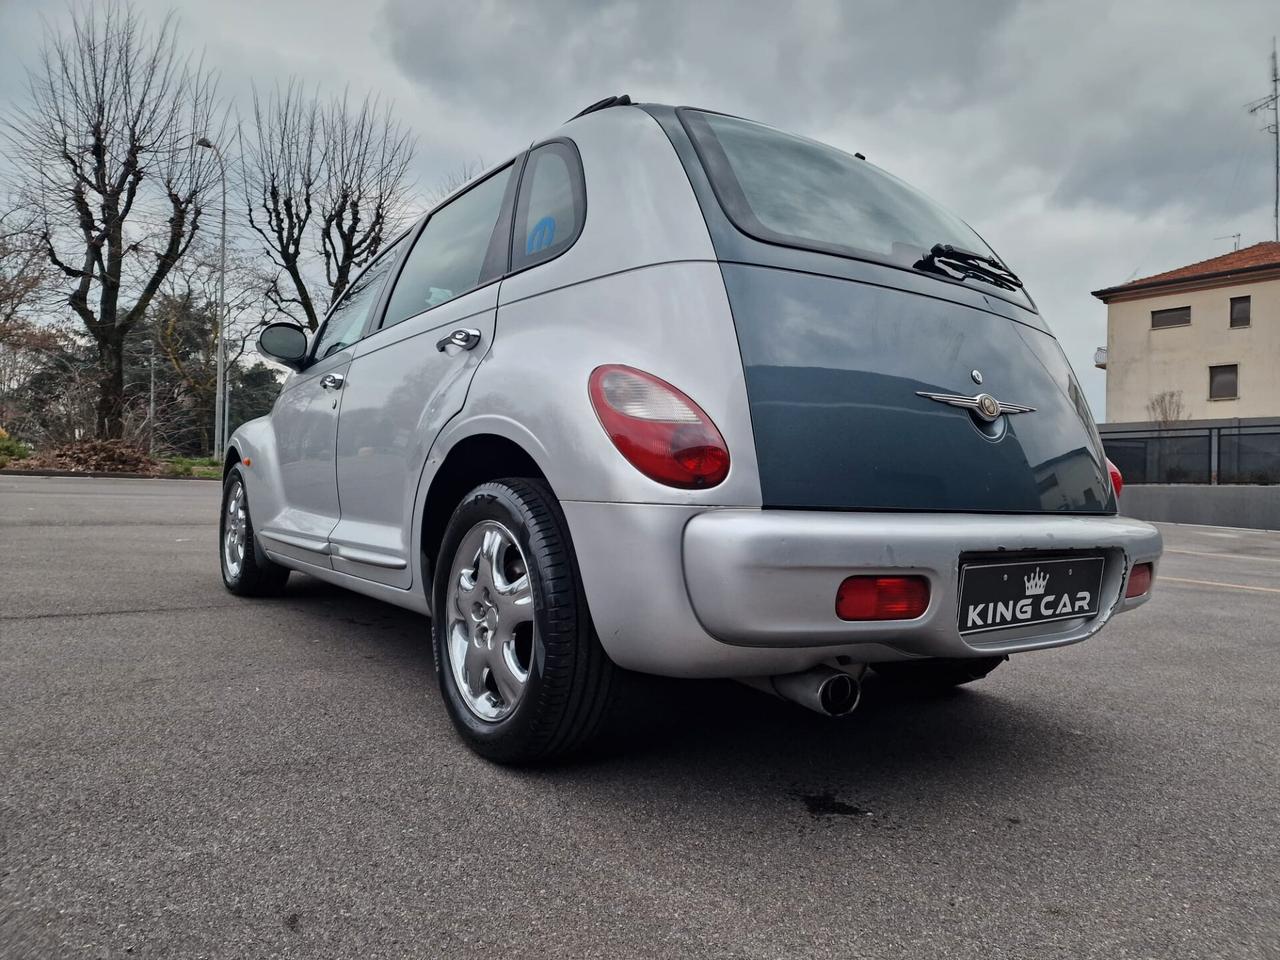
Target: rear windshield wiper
point(960, 264)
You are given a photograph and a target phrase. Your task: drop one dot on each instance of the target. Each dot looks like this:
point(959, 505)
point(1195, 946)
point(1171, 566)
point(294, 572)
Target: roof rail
point(605, 104)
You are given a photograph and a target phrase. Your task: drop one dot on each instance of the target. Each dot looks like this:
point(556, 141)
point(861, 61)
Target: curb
point(100, 475)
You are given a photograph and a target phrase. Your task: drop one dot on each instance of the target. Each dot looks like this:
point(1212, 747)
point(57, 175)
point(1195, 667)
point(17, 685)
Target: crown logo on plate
point(1036, 583)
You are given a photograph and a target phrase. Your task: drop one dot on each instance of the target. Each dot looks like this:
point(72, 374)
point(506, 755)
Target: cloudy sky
point(1088, 141)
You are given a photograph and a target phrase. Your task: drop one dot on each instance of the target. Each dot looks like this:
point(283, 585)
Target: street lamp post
point(151, 404)
point(219, 407)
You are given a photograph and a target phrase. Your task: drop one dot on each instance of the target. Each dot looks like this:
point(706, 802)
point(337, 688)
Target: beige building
point(1197, 343)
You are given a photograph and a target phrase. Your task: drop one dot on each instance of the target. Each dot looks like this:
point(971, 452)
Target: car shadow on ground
point(702, 732)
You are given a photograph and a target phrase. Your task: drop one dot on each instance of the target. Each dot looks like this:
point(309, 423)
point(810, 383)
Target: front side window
point(1175, 317)
point(550, 208)
point(458, 250)
point(346, 320)
point(1240, 307)
point(798, 192)
point(1224, 382)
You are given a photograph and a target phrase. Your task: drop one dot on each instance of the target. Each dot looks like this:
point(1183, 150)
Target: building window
point(1177, 317)
point(1224, 382)
point(1240, 311)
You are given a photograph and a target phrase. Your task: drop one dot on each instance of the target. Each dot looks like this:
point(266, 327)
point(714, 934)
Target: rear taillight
point(660, 431)
point(1139, 581)
point(1117, 481)
point(882, 598)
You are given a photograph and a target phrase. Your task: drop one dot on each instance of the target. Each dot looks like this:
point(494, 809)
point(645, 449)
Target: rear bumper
point(764, 577)
point(738, 592)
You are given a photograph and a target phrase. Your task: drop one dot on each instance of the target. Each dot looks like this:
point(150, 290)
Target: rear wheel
point(246, 571)
point(522, 673)
point(933, 676)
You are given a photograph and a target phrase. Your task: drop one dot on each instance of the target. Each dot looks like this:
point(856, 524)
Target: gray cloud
point(778, 60)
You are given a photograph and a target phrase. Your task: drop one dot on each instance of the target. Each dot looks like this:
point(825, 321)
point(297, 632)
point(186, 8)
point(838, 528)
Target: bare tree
point(460, 176)
point(324, 181)
point(48, 393)
point(280, 162)
point(22, 269)
point(364, 196)
point(25, 347)
point(106, 156)
point(185, 328)
point(1166, 408)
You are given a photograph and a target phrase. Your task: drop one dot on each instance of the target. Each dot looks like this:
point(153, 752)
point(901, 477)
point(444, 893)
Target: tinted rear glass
point(790, 190)
point(550, 207)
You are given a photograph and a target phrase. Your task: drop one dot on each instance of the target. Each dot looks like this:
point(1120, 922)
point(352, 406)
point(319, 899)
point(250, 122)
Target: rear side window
point(797, 192)
point(458, 250)
point(551, 205)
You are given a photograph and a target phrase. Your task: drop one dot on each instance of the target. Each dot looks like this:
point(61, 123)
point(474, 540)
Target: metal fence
point(1196, 451)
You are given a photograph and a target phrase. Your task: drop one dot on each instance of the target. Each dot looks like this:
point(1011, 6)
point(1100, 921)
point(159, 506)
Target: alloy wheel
point(490, 621)
point(234, 535)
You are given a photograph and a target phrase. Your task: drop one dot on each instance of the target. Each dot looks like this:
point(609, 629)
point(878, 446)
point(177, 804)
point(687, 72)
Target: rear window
point(789, 190)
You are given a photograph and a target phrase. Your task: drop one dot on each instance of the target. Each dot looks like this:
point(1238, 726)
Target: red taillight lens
point(661, 432)
point(1117, 481)
point(1139, 581)
point(882, 598)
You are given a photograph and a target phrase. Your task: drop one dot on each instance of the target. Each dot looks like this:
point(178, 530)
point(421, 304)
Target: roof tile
point(1257, 256)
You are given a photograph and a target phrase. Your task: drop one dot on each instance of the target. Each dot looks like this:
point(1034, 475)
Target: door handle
point(332, 381)
point(466, 338)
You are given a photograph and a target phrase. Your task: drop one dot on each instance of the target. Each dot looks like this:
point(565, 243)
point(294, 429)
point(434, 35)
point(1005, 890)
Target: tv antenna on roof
point(1271, 103)
point(1234, 237)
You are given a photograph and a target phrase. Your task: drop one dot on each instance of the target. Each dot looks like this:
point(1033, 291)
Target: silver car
point(677, 393)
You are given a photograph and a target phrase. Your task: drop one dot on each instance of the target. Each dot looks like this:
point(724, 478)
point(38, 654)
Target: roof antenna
point(1271, 103)
point(1231, 236)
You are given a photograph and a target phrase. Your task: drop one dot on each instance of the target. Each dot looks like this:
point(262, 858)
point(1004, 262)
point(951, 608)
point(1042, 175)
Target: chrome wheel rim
point(234, 527)
point(490, 626)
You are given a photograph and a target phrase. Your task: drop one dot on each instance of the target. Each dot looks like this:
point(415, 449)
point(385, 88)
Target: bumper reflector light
point(1139, 581)
point(882, 598)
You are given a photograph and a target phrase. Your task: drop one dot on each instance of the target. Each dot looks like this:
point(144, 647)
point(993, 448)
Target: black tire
point(258, 576)
point(936, 676)
point(571, 686)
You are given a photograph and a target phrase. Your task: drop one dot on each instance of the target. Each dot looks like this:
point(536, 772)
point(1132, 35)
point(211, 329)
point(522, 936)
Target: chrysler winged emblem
point(983, 404)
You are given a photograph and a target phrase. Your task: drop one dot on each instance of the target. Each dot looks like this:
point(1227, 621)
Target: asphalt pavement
point(187, 774)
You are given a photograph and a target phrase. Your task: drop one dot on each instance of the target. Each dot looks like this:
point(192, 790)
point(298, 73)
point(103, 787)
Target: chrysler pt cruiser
point(674, 392)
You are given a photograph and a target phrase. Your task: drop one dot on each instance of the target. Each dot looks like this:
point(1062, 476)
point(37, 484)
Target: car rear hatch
point(836, 375)
point(847, 325)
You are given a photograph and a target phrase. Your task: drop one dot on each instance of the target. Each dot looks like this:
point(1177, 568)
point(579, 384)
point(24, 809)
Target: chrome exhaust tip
point(822, 689)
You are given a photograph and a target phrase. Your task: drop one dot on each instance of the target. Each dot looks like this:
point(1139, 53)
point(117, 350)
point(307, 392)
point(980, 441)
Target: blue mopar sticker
point(541, 236)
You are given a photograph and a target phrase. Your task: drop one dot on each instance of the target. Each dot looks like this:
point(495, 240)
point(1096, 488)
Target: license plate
point(998, 596)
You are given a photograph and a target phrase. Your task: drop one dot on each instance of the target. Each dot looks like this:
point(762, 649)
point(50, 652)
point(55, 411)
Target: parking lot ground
point(187, 774)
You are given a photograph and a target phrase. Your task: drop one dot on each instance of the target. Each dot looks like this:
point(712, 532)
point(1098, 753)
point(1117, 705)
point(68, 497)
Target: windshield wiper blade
point(949, 260)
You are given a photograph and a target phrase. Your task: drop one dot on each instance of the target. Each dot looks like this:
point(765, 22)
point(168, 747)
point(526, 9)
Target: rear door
point(411, 374)
point(305, 422)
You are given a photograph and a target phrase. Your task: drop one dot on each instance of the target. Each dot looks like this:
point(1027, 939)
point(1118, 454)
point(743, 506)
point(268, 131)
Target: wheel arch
point(472, 460)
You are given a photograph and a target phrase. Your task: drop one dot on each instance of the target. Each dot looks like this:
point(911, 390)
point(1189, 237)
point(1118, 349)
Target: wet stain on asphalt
point(822, 805)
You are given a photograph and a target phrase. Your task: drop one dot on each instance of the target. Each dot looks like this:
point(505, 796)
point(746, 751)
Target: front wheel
point(522, 673)
point(246, 570)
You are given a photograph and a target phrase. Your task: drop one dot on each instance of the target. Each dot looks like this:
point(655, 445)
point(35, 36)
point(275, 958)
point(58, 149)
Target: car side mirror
point(285, 343)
